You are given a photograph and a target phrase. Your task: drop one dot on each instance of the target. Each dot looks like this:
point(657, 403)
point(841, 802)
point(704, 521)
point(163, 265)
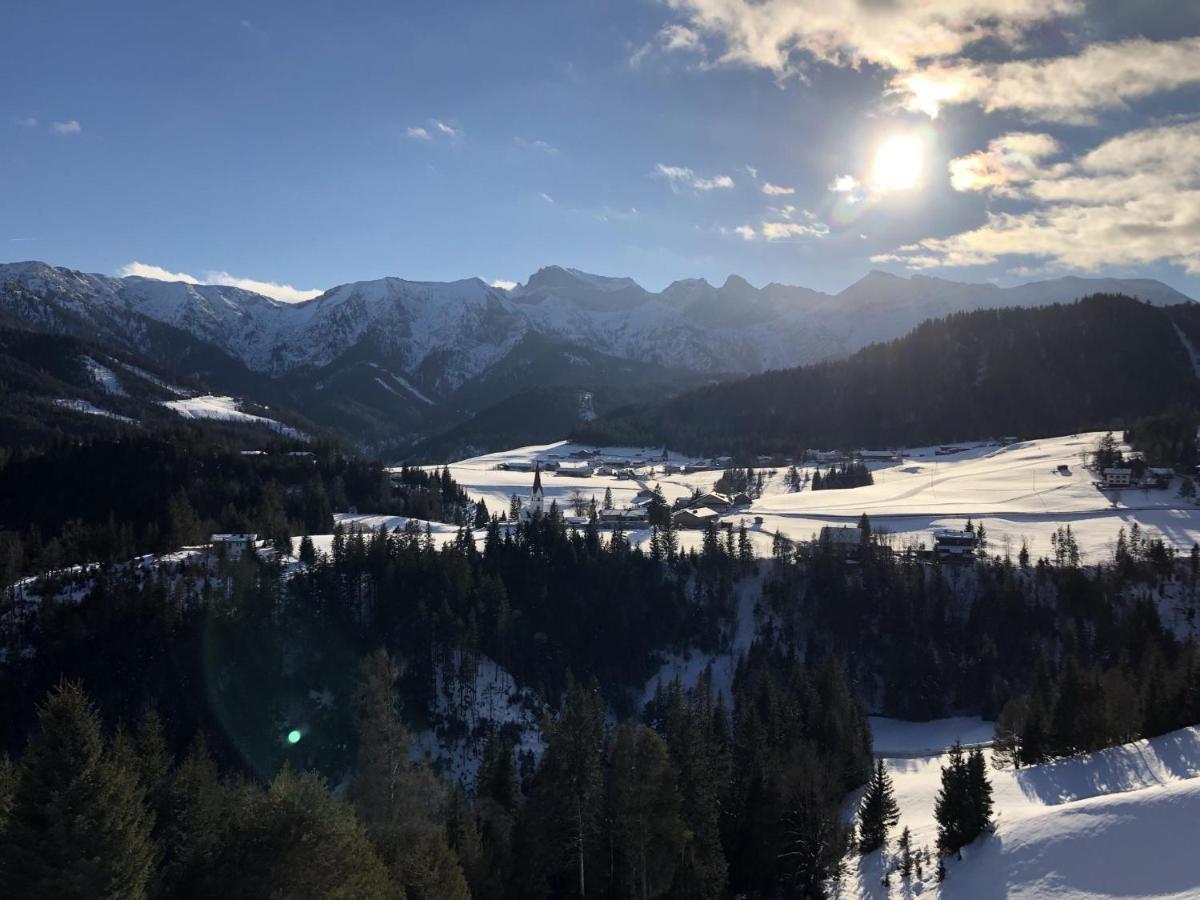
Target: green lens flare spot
point(294, 736)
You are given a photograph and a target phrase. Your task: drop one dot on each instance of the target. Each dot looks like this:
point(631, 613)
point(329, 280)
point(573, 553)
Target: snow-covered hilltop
point(1120, 822)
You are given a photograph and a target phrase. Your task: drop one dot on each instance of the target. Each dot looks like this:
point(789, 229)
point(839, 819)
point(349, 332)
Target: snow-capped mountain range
point(443, 333)
point(423, 343)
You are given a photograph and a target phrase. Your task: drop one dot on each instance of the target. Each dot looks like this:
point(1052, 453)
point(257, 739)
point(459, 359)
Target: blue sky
point(312, 144)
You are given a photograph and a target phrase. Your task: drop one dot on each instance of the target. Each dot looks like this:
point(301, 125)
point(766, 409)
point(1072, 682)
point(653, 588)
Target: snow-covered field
point(323, 543)
point(1016, 491)
point(1124, 822)
point(225, 409)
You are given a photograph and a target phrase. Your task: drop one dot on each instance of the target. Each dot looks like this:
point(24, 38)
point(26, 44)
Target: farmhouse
point(233, 545)
point(695, 518)
point(575, 469)
point(1158, 476)
point(1117, 477)
point(843, 539)
point(638, 515)
point(952, 543)
point(713, 500)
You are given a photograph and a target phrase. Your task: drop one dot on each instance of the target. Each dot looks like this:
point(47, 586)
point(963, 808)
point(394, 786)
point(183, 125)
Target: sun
point(899, 164)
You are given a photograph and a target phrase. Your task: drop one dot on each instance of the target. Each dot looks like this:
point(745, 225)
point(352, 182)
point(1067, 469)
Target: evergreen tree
point(963, 807)
point(979, 791)
point(644, 814)
point(878, 811)
point(567, 802)
point(904, 848)
point(316, 849)
point(952, 805)
point(308, 551)
point(78, 827)
point(481, 514)
point(399, 803)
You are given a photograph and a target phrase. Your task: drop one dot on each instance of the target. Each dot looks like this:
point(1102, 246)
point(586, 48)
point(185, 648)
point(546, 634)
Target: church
point(537, 497)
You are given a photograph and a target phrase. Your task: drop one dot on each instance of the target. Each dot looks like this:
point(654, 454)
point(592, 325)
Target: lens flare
point(294, 736)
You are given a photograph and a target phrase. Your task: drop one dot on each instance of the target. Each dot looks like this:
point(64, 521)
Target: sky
point(293, 146)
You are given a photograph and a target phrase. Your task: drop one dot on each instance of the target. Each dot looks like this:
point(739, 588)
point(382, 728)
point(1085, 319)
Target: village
point(950, 501)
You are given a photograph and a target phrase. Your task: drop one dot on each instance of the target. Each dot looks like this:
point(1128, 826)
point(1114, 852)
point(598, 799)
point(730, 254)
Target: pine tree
point(878, 811)
point(568, 793)
point(308, 551)
point(979, 791)
point(399, 803)
point(79, 827)
point(481, 514)
point(964, 804)
point(643, 801)
point(951, 807)
point(904, 848)
point(315, 847)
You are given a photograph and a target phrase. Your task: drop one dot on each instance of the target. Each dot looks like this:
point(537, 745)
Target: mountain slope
point(1050, 370)
point(54, 386)
point(391, 363)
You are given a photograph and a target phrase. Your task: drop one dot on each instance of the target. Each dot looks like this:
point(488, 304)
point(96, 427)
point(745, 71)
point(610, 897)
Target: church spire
point(537, 479)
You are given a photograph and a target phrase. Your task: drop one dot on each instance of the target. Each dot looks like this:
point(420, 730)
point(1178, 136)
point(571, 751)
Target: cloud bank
point(272, 289)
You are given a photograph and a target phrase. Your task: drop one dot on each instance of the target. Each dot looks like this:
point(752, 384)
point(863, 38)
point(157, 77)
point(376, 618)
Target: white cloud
point(751, 171)
point(638, 54)
point(924, 45)
point(747, 232)
point(158, 273)
point(538, 146)
point(437, 129)
point(283, 292)
point(25, 122)
point(502, 284)
point(782, 231)
point(547, 197)
point(1009, 160)
point(775, 190)
point(844, 184)
point(679, 37)
point(681, 176)
point(68, 127)
point(896, 34)
point(1133, 200)
point(1068, 89)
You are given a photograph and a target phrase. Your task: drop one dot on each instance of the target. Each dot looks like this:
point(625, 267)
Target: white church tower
point(537, 499)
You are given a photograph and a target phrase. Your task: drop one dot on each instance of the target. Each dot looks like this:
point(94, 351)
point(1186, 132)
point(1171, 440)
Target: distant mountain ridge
point(392, 362)
point(1104, 361)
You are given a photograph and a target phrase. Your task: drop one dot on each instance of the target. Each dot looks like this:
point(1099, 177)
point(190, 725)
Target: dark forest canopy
point(108, 499)
point(699, 793)
point(1102, 361)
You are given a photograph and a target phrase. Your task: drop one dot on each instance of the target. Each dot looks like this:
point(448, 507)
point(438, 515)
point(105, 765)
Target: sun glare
point(898, 165)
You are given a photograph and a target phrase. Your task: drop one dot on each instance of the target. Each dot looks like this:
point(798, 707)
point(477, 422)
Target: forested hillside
point(1099, 362)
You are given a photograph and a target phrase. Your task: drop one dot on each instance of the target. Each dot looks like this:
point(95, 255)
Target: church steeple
point(537, 497)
